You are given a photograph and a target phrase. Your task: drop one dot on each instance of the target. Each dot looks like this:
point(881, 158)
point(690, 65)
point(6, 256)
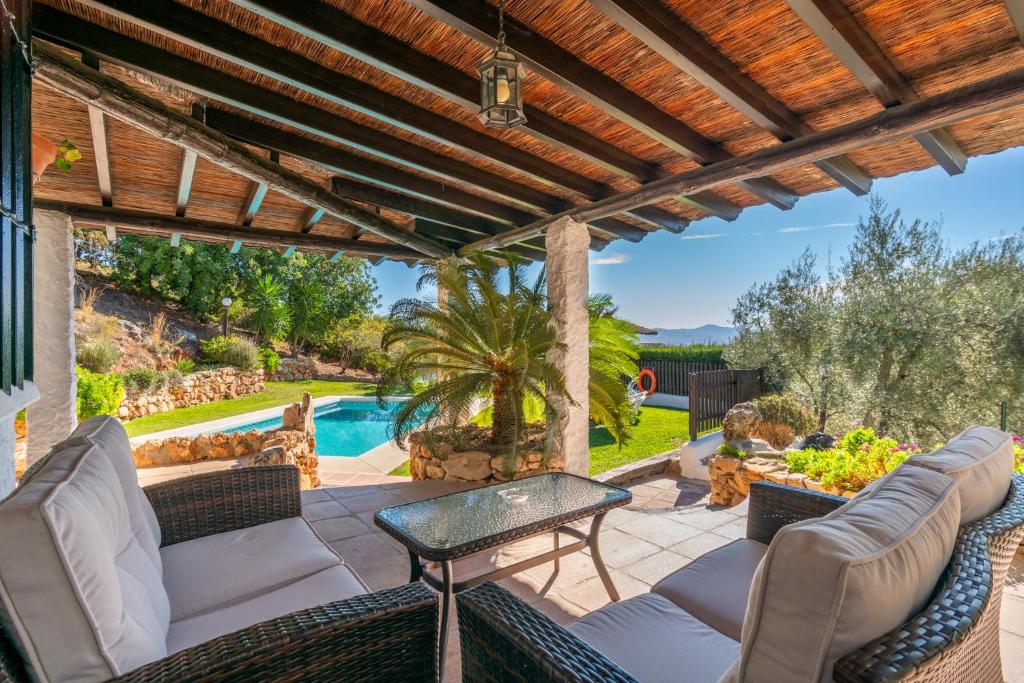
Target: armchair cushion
point(656, 641)
point(830, 585)
point(714, 587)
point(326, 586)
point(80, 593)
point(980, 459)
point(214, 571)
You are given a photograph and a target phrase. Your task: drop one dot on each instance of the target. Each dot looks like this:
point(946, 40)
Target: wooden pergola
point(351, 125)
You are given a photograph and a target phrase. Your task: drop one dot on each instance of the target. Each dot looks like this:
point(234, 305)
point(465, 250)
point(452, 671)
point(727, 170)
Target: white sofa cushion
point(79, 591)
point(830, 585)
point(656, 641)
point(329, 585)
point(980, 459)
point(214, 571)
point(714, 587)
point(110, 438)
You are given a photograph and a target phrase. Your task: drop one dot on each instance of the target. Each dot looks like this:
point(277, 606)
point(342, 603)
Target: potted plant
point(45, 152)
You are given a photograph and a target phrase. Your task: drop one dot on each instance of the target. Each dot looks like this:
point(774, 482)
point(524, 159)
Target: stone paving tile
point(314, 512)
point(699, 545)
point(338, 528)
point(366, 549)
point(619, 516)
point(1012, 615)
point(591, 594)
point(1015, 577)
point(702, 518)
point(1012, 647)
point(660, 530)
point(619, 548)
point(654, 568)
point(559, 609)
point(315, 496)
point(733, 530)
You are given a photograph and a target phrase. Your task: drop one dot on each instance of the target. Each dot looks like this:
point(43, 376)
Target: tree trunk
point(881, 386)
point(504, 425)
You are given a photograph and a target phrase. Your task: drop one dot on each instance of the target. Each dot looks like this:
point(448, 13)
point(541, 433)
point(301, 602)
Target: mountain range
point(682, 336)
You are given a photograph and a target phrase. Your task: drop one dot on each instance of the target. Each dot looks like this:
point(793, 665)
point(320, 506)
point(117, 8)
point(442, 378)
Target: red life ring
point(640, 381)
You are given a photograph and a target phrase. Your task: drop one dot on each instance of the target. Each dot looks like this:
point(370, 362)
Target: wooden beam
point(666, 33)
point(98, 132)
point(556, 64)
point(330, 26)
point(530, 249)
point(188, 171)
point(1016, 10)
point(254, 199)
point(195, 29)
point(132, 220)
point(836, 26)
point(128, 104)
point(900, 121)
point(310, 219)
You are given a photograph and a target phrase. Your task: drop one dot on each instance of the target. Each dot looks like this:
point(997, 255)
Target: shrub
point(270, 360)
point(779, 435)
point(788, 411)
point(732, 451)
point(171, 378)
point(185, 366)
point(98, 393)
point(235, 351)
point(141, 379)
point(1018, 454)
point(860, 458)
point(693, 353)
point(355, 342)
point(98, 355)
point(156, 332)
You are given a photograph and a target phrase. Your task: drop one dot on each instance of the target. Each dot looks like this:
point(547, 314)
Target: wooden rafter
point(146, 113)
point(558, 65)
point(957, 105)
point(530, 249)
point(254, 199)
point(310, 218)
point(341, 31)
point(131, 220)
point(668, 35)
point(836, 26)
point(100, 150)
point(195, 29)
point(1016, 10)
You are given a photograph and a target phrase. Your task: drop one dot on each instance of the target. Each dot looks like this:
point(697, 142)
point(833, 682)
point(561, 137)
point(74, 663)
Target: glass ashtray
point(514, 495)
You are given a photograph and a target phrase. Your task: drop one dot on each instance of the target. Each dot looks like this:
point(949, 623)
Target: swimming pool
point(343, 428)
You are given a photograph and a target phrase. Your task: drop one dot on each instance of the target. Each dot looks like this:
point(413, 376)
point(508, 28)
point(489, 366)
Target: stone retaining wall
point(195, 389)
point(292, 369)
point(731, 478)
point(434, 458)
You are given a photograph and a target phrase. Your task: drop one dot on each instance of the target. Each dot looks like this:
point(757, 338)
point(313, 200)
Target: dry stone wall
point(195, 389)
point(731, 478)
point(433, 458)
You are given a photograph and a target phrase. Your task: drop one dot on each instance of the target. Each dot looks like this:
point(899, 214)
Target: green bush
point(270, 360)
point(98, 393)
point(98, 355)
point(788, 411)
point(694, 353)
point(185, 366)
point(860, 458)
point(731, 451)
point(171, 378)
point(354, 342)
point(141, 379)
point(234, 351)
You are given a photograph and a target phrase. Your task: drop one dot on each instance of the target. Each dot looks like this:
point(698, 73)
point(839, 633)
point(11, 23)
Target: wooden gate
point(673, 376)
point(713, 393)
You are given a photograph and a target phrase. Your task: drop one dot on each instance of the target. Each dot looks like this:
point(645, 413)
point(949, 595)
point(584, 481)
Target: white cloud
point(702, 235)
point(810, 228)
point(609, 260)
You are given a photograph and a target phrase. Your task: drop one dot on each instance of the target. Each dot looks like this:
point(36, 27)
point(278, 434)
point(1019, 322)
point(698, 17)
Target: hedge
point(694, 353)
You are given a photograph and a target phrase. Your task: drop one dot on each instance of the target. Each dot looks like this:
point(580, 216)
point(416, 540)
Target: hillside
point(684, 336)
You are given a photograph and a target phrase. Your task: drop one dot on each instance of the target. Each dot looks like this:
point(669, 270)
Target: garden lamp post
point(226, 303)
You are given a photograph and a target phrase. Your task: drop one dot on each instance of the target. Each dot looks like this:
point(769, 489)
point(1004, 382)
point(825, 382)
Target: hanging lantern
point(501, 84)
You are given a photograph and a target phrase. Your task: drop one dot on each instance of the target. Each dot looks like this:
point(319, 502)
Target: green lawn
point(274, 394)
point(653, 434)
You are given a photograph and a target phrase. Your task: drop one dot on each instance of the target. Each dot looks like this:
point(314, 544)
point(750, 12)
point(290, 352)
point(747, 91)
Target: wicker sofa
point(212, 577)
point(950, 634)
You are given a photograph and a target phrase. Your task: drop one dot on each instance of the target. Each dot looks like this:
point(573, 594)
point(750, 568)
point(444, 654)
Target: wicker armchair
point(955, 638)
point(389, 635)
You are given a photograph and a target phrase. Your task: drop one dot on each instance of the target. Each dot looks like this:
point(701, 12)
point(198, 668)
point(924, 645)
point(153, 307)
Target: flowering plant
point(860, 457)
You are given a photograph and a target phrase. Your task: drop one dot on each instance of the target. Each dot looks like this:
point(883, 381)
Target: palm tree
point(613, 355)
point(490, 337)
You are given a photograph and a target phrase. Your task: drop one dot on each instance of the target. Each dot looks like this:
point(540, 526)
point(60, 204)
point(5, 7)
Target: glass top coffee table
point(446, 528)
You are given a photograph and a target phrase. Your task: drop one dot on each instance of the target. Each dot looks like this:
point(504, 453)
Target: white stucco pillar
point(52, 418)
point(567, 243)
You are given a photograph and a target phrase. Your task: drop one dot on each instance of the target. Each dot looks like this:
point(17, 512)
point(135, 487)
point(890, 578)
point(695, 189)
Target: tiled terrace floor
point(667, 525)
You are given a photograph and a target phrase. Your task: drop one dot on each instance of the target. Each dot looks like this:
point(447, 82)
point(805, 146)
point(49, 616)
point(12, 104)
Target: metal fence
point(673, 376)
point(714, 392)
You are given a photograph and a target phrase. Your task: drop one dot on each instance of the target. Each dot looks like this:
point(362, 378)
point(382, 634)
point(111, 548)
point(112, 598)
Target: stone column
point(567, 243)
point(52, 418)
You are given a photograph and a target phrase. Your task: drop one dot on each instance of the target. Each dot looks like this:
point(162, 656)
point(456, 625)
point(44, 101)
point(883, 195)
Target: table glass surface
point(468, 516)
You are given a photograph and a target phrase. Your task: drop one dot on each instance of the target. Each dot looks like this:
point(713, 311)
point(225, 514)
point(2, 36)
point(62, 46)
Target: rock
point(299, 416)
point(819, 441)
point(434, 472)
point(726, 464)
point(739, 421)
point(763, 466)
point(271, 456)
point(469, 465)
point(757, 448)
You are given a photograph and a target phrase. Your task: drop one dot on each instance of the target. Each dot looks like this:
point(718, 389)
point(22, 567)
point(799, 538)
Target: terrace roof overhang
point(351, 126)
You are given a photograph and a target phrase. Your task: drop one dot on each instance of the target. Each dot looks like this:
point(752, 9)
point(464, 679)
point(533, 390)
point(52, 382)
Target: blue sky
point(692, 279)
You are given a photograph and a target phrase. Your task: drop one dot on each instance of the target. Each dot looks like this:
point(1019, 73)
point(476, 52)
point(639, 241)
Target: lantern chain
point(9, 17)
point(501, 23)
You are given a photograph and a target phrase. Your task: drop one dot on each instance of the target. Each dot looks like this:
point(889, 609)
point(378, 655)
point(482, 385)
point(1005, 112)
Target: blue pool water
point(345, 428)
